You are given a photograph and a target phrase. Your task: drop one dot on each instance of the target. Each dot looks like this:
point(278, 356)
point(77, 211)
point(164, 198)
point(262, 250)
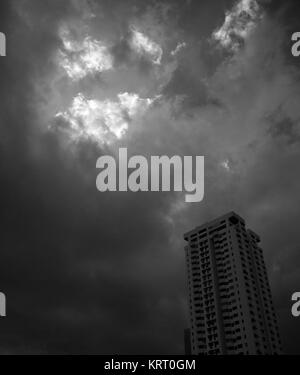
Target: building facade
point(230, 301)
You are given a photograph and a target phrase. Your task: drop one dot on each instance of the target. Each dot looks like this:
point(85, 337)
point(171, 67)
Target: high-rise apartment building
point(231, 307)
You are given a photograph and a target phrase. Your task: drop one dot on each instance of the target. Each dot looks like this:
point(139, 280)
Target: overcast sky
point(88, 272)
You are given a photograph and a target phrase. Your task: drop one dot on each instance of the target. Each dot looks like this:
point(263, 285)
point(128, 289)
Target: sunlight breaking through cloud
point(238, 24)
point(81, 58)
point(101, 121)
point(178, 48)
point(143, 45)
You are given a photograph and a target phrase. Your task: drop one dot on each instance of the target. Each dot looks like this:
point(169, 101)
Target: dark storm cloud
point(80, 276)
point(91, 273)
point(283, 126)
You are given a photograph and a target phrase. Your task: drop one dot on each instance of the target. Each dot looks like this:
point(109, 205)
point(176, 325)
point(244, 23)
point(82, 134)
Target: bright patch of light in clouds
point(178, 48)
point(81, 58)
point(106, 120)
point(145, 46)
point(101, 121)
point(239, 22)
point(226, 165)
point(133, 104)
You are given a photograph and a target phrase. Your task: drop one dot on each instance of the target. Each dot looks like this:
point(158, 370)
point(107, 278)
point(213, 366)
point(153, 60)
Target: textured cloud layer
point(101, 121)
point(81, 58)
point(239, 23)
point(87, 272)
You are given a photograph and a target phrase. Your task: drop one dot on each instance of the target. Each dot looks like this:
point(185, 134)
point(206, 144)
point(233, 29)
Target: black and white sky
point(92, 273)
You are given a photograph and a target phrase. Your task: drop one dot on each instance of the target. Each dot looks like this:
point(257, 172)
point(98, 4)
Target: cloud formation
point(145, 46)
point(86, 272)
point(100, 121)
point(81, 58)
point(239, 23)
